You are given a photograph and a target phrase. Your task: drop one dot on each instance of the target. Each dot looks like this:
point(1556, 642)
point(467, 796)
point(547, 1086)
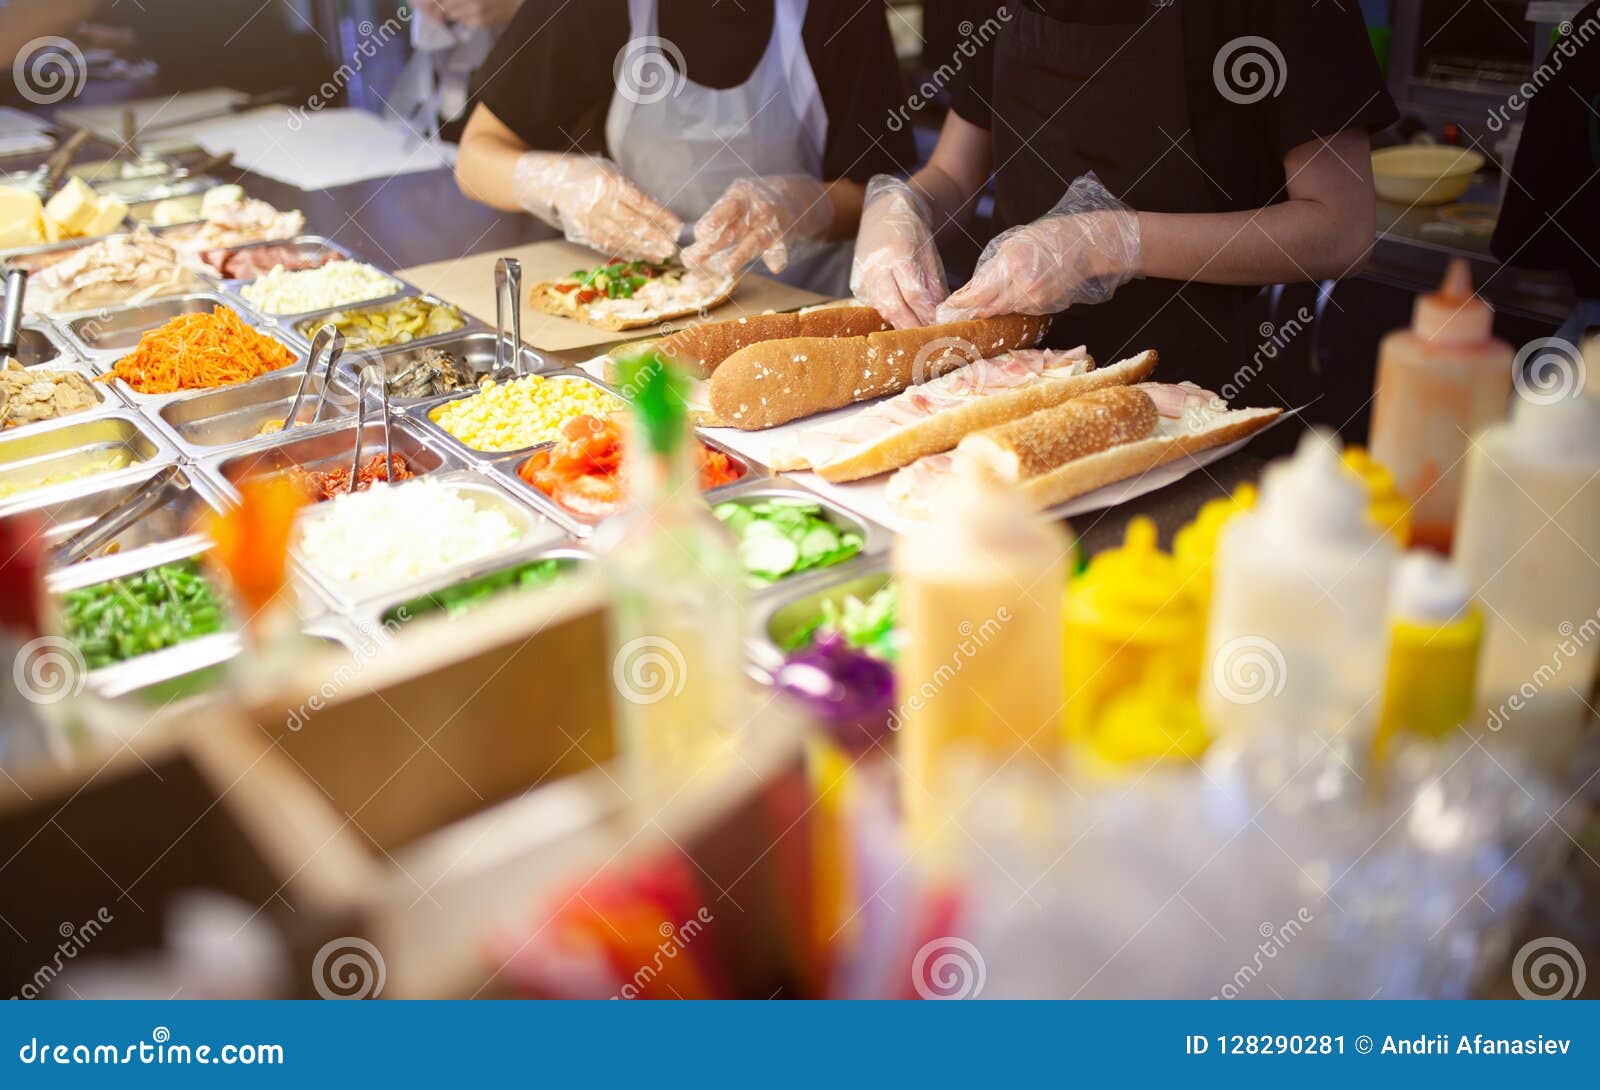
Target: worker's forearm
point(486, 169)
point(846, 197)
point(1294, 241)
point(948, 198)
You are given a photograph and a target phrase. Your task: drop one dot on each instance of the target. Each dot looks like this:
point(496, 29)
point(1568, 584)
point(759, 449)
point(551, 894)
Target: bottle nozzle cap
point(1454, 313)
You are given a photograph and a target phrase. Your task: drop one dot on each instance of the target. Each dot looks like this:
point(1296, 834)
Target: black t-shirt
point(550, 80)
point(1548, 220)
point(1331, 82)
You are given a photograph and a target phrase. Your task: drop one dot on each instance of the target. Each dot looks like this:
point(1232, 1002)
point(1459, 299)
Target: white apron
point(684, 144)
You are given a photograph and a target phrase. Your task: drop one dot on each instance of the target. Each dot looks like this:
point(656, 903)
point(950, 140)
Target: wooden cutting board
point(469, 283)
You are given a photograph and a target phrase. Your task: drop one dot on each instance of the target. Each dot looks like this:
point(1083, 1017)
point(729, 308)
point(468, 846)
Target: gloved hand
point(897, 268)
point(759, 217)
point(594, 204)
point(1079, 252)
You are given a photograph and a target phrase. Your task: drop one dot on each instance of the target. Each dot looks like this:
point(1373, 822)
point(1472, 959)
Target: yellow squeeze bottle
point(1132, 618)
point(1195, 544)
point(978, 676)
point(1389, 510)
point(1434, 636)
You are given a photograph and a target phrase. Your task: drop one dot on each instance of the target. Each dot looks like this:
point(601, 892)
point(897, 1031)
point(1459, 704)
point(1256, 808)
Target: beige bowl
point(1424, 173)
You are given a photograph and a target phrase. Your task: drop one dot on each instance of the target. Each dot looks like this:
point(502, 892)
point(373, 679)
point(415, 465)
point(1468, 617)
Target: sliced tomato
point(587, 295)
point(564, 288)
point(591, 497)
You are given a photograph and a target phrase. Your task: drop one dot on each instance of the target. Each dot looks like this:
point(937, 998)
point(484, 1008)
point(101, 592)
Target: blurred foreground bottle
point(1434, 637)
point(979, 672)
point(1194, 546)
point(1439, 382)
point(1527, 540)
point(1389, 510)
point(1135, 628)
point(1297, 630)
point(678, 591)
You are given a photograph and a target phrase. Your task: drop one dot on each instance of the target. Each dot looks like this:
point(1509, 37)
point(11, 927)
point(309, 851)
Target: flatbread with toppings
point(630, 294)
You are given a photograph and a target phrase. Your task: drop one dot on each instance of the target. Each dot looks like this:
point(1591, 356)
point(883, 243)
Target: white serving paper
point(320, 150)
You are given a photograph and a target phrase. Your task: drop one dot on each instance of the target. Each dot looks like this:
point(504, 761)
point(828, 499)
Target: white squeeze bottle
point(1527, 541)
point(1297, 634)
point(979, 674)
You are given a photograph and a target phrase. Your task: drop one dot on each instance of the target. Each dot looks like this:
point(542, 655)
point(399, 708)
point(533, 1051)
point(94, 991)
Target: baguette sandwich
point(1067, 450)
point(772, 382)
point(701, 347)
point(934, 416)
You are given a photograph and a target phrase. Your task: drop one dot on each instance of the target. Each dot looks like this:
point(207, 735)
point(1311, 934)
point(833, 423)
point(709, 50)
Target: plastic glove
point(759, 217)
point(897, 267)
point(1079, 252)
point(594, 204)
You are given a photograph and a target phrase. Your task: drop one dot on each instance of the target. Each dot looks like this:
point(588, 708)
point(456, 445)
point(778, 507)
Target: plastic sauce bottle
point(1297, 629)
point(1526, 543)
point(1130, 616)
point(678, 595)
point(1434, 637)
point(979, 672)
point(1389, 510)
point(1440, 381)
point(1194, 546)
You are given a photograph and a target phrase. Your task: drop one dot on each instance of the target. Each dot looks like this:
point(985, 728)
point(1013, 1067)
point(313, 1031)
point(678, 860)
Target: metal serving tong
point(155, 493)
point(371, 374)
point(326, 338)
point(507, 297)
point(11, 318)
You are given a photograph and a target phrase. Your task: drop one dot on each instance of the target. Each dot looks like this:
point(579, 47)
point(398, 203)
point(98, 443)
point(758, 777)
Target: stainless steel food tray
point(504, 469)
point(106, 399)
point(115, 330)
point(11, 254)
point(475, 348)
point(537, 531)
point(56, 447)
point(422, 415)
point(75, 506)
point(777, 615)
point(319, 242)
point(40, 344)
point(321, 446)
point(875, 538)
point(286, 322)
point(201, 422)
point(291, 324)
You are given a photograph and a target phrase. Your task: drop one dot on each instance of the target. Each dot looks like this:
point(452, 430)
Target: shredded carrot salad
point(199, 351)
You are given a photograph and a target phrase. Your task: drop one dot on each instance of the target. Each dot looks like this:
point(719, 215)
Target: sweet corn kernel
point(521, 413)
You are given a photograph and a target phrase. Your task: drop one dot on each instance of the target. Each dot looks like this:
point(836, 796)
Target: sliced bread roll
point(701, 347)
point(1039, 442)
point(773, 382)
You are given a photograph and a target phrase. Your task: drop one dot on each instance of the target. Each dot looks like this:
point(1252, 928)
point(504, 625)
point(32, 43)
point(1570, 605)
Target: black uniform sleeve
point(550, 71)
point(1330, 78)
point(852, 56)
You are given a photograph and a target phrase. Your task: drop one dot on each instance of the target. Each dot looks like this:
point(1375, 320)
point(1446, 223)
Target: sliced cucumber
point(768, 557)
point(817, 543)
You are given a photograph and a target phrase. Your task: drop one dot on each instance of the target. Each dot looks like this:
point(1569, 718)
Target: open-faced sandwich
point(1098, 438)
point(630, 294)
